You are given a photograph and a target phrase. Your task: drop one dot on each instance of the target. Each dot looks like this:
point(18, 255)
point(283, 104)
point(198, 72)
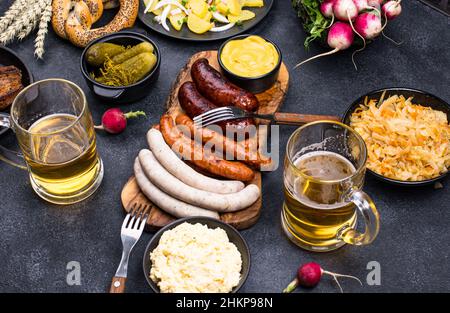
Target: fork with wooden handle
point(132, 228)
point(230, 113)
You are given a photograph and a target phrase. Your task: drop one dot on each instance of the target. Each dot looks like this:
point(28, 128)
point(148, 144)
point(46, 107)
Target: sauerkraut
point(405, 141)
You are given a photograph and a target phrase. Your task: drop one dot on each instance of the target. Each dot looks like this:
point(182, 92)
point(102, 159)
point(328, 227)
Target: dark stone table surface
point(38, 239)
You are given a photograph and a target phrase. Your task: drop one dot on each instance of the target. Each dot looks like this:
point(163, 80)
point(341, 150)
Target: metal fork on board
point(231, 113)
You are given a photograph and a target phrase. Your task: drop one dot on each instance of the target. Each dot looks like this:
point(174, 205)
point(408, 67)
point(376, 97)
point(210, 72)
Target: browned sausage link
point(194, 104)
point(188, 150)
point(237, 126)
point(216, 88)
point(241, 151)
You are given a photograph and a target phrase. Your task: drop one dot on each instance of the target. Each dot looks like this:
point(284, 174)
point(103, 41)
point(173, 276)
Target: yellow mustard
point(249, 57)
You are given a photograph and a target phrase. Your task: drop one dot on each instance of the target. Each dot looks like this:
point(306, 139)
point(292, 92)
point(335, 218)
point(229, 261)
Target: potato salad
point(201, 16)
point(193, 258)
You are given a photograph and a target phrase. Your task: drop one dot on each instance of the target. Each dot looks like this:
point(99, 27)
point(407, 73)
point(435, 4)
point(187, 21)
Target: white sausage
point(165, 202)
point(174, 165)
point(168, 183)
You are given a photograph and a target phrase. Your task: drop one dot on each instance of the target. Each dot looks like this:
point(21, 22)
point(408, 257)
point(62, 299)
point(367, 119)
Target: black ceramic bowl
point(420, 97)
point(9, 57)
point(233, 236)
point(125, 94)
point(253, 84)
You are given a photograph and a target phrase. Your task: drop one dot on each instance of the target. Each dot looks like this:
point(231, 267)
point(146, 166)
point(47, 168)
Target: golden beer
point(66, 162)
point(305, 203)
point(56, 134)
point(322, 180)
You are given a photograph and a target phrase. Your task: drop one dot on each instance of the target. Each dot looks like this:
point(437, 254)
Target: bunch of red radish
point(361, 17)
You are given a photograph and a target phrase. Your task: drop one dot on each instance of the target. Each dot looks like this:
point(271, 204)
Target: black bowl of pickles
point(119, 68)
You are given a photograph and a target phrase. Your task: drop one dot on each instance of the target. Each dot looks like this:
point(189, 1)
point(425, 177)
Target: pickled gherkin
point(131, 52)
point(119, 65)
point(96, 55)
point(128, 72)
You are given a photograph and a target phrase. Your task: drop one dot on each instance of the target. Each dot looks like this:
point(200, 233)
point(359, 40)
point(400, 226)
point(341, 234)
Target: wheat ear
point(17, 24)
point(31, 19)
point(43, 29)
point(9, 16)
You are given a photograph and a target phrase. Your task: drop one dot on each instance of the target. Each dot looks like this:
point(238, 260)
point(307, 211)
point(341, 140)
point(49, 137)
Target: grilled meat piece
point(10, 85)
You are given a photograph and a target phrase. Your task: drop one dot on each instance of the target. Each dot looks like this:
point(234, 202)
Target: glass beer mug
point(56, 135)
point(323, 176)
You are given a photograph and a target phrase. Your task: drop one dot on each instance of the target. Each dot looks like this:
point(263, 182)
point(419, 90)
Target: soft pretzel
point(110, 4)
point(95, 8)
point(61, 10)
point(73, 19)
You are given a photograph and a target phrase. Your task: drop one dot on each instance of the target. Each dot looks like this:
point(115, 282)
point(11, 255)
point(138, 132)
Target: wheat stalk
point(30, 19)
point(10, 33)
point(22, 17)
point(18, 23)
point(16, 8)
point(43, 28)
point(27, 29)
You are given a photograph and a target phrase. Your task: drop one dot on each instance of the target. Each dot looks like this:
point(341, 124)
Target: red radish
point(359, 50)
point(374, 3)
point(309, 275)
point(345, 10)
point(362, 5)
point(392, 9)
point(114, 121)
point(340, 37)
point(326, 8)
point(368, 25)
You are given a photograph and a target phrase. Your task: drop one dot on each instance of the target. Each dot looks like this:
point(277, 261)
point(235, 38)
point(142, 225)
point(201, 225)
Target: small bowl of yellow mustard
point(251, 62)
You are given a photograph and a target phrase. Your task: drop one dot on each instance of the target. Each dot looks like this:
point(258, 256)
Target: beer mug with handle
point(324, 173)
point(56, 136)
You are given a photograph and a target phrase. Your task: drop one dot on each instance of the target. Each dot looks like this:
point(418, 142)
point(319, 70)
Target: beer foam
point(323, 172)
point(326, 173)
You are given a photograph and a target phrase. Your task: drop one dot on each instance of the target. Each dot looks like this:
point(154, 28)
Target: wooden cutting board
point(270, 102)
